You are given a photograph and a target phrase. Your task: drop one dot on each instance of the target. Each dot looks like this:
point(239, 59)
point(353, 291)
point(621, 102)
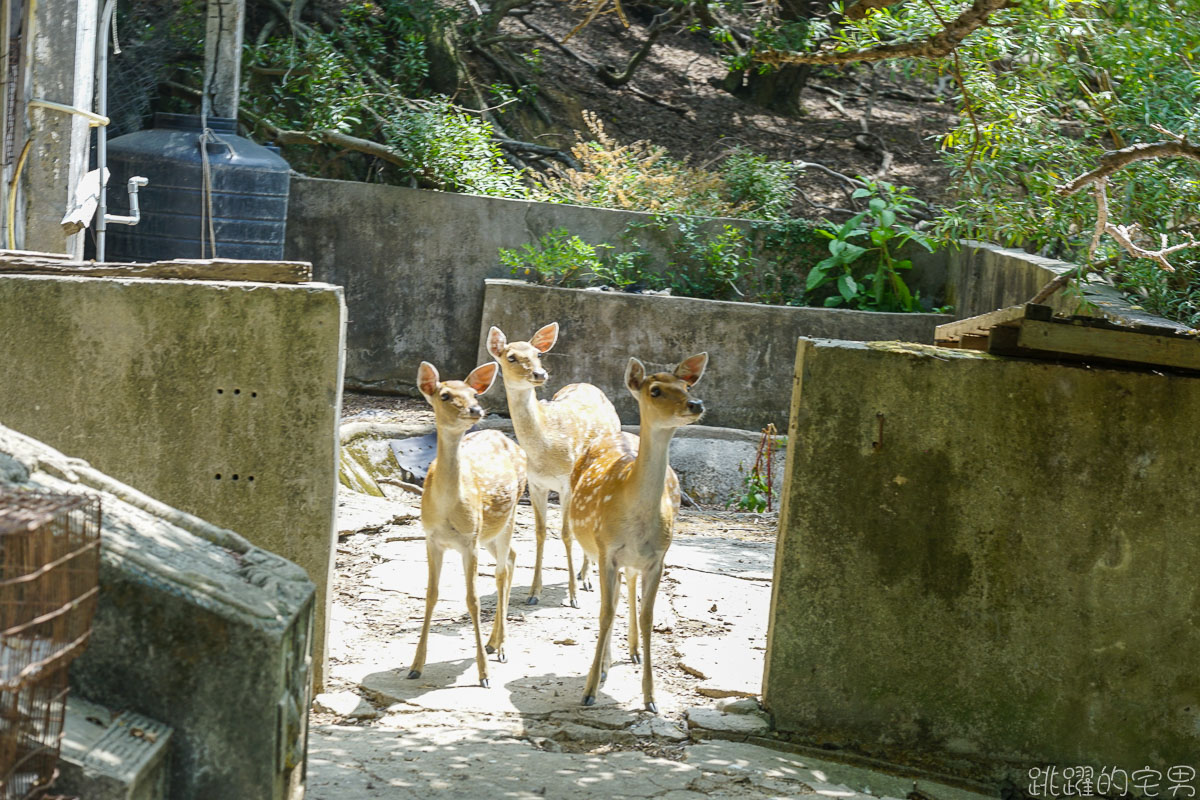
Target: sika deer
point(470, 499)
point(554, 434)
point(624, 499)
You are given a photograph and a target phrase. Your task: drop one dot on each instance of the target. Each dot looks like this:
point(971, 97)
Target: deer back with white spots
point(470, 499)
point(624, 499)
point(554, 434)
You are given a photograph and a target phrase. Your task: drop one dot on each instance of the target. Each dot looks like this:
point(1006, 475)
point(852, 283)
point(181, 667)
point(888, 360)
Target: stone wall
point(751, 347)
point(194, 627)
point(987, 564)
point(220, 399)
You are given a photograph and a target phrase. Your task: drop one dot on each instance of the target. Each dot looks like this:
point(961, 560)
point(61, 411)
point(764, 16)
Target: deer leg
point(470, 571)
point(505, 559)
point(631, 585)
point(609, 577)
point(564, 501)
point(538, 497)
point(433, 555)
point(585, 582)
point(650, 580)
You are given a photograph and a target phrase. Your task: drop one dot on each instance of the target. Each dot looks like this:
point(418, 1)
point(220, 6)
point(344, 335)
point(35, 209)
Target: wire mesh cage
point(49, 580)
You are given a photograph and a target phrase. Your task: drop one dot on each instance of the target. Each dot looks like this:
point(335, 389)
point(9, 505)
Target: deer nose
point(696, 406)
point(476, 411)
point(541, 375)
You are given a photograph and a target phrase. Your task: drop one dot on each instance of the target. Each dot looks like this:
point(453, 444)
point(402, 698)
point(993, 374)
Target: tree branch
point(1115, 160)
point(939, 45)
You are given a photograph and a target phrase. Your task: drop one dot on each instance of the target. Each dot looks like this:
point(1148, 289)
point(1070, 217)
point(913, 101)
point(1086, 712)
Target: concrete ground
point(376, 734)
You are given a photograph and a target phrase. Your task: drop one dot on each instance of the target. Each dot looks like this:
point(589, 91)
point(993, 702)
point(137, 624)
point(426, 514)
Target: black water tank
point(249, 193)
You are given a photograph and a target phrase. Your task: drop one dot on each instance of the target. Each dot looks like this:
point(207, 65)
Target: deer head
point(454, 402)
point(664, 397)
point(521, 361)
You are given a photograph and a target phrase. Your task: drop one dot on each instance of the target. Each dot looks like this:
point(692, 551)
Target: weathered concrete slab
point(220, 399)
point(194, 627)
point(751, 347)
point(973, 589)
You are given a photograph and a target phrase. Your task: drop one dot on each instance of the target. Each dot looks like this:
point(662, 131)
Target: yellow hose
point(12, 196)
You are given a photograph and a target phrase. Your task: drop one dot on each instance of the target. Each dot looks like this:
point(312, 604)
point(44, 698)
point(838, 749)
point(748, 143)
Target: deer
point(624, 501)
point(554, 435)
point(470, 500)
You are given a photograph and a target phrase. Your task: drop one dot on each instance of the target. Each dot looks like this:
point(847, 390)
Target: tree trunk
point(777, 90)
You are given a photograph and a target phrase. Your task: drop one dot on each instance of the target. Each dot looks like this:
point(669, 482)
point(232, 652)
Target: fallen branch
point(939, 45)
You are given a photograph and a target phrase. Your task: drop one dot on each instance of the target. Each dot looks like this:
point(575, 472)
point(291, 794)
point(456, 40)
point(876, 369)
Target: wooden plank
point(974, 341)
point(35, 254)
point(1110, 345)
point(223, 269)
point(952, 331)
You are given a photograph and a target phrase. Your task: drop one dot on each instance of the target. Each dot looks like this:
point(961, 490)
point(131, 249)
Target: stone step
point(112, 756)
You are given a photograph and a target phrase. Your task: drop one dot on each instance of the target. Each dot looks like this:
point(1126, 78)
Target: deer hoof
point(604, 676)
point(485, 683)
point(574, 604)
point(635, 658)
point(652, 707)
point(487, 648)
point(414, 674)
point(503, 659)
point(532, 601)
point(589, 700)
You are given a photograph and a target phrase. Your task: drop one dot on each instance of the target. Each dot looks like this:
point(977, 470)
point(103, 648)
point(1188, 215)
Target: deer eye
point(655, 391)
point(445, 395)
point(511, 357)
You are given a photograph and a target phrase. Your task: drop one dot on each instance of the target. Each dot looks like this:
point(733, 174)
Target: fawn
point(624, 499)
point(554, 434)
point(470, 499)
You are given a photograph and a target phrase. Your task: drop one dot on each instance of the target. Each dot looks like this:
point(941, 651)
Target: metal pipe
point(102, 36)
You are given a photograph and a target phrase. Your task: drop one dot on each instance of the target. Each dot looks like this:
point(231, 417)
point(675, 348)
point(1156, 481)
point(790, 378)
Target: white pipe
point(135, 213)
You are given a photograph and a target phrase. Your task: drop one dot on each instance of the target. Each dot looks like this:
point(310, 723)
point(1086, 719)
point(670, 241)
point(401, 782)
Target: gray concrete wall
point(194, 627)
point(167, 385)
point(751, 347)
point(987, 564)
point(413, 264)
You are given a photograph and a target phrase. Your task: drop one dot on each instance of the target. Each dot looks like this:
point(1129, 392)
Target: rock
point(742, 705)
point(345, 704)
point(725, 671)
point(659, 728)
point(713, 720)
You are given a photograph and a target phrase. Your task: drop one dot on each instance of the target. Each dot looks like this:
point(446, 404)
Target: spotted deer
point(554, 434)
point(470, 499)
point(624, 499)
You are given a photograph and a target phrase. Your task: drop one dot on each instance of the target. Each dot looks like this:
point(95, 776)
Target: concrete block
point(194, 627)
point(751, 347)
point(217, 398)
point(987, 565)
point(109, 755)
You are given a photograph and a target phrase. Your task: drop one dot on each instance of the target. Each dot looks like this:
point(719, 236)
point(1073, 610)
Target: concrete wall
point(167, 385)
point(413, 264)
point(751, 347)
point(987, 564)
point(194, 627)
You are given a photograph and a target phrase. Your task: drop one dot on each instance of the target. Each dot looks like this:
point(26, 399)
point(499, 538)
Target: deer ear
point(427, 380)
point(545, 338)
point(481, 377)
point(496, 342)
point(635, 373)
point(690, 369)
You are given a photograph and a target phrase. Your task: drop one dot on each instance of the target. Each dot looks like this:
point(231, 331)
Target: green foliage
point(863, 265)
point(368, 79)
point(755, 492)
point(1172, 295)
point(641, 176)
point(558, 259)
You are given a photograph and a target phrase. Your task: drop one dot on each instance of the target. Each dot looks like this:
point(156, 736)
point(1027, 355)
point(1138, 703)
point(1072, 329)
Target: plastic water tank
point(249, 193)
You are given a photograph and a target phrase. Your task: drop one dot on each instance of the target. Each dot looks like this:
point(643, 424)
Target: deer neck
point(528, 415)
point(649, 474)
point(446, 488)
